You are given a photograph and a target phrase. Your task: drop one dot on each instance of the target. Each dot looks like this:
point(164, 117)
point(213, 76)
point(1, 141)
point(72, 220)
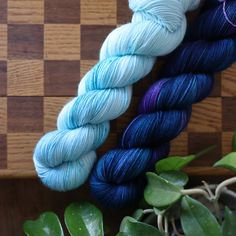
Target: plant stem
point(147, 211)
point(207, 187)
point(214, 201)
point(222, 185)
point(217, 209)
point(174, 227)
point(229, 192)
point(205, 151)
point(225, 190)
point(160, 223)
point(166, 225)
point(195, 191)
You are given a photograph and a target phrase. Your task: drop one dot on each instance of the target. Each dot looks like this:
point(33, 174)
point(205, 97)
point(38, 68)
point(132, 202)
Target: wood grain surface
point(27, 199)
point(25, 11)
point(46, 46)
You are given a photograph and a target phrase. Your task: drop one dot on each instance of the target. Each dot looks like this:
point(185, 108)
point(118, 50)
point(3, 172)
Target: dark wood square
point(92, 37)
point(61, 78)
point(3, 151)
point(216, 91)
point(3, 78)
point(123, 12)
point(62, 11)
point(228, 113)
point(25, 114)
point(3, 11)
point(200, 141)
point(25, 41)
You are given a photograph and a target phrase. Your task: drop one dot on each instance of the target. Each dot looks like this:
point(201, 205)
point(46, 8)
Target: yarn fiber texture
point(64, 157)
point(210, 46)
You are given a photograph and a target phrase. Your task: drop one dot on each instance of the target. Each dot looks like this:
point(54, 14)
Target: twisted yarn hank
point(119, 176)
point(64, 157)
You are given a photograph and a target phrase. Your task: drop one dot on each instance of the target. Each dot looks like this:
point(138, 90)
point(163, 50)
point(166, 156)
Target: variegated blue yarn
point(119, 176)
point(63, 158)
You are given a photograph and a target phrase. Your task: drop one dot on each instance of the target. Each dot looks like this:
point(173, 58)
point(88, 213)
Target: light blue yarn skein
point(64, 158)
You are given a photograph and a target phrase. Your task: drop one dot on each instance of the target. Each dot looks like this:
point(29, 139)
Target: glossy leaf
point(47, 224)
point(175, 177)
point(197, 220)
point(138, 214)
point(234, 142)
point(228, 162)
point(179, 162)
point(229, 224)
point(173, 163)
point(132, 227)
point(159, 192)
point(84, 219)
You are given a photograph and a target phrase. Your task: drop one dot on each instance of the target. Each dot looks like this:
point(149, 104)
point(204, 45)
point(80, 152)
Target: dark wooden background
point(27, 199)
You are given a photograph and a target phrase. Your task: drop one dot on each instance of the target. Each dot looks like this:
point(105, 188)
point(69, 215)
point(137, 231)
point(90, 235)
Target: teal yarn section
point(64, 158)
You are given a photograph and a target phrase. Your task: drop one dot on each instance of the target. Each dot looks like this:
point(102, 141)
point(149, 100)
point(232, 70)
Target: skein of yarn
point(64, 158)
point(210, 46)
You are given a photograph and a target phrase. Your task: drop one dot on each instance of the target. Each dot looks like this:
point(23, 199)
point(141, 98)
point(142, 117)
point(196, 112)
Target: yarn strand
point(226, 15)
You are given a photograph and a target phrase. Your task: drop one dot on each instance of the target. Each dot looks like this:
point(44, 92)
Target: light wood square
point(20, 148)
point(62, 42)
point(25, 78)
point(3, 42)
point(3, 115)
point(52, 107)
point(85, 66)
point(229, 82)
point(206, 116)
point(102, 13)
point(26, 11)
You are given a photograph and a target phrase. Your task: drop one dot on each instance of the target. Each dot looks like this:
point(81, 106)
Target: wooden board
point(47, 46)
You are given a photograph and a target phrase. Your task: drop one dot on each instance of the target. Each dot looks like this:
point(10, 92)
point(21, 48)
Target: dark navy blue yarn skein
point(187, 78)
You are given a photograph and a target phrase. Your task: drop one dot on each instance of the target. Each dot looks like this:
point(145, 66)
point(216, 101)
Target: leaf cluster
point(174, 207)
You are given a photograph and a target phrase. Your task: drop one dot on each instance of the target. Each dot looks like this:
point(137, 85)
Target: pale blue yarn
point(64, 158)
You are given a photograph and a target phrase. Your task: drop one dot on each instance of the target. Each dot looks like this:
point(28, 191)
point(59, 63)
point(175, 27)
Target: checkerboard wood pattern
point(46, 46)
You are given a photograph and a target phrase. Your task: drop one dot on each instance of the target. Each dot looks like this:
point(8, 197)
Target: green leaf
point(175, 177)
point(84, 219)
point(159, 192)
point(132, 227)
point(173, 163)
point(138, 214)
point(197, 220)
point(179, 162)
point(159, 211)
point(228, 162)
point(234, 142)
point(229, 224)
point(47, 224)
